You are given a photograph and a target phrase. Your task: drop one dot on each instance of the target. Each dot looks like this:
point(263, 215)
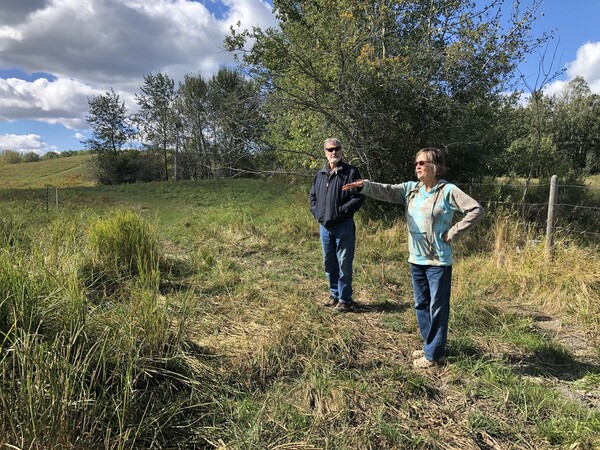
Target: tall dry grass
point(218, 339)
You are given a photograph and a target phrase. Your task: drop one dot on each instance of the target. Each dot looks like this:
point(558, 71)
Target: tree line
point(385, 77)
point(10, 156)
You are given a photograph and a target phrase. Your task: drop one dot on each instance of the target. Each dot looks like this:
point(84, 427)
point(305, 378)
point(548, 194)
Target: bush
point(49, 155)
point(123, 244)
point(11, 157)
point(126, 166)
point(31, 157)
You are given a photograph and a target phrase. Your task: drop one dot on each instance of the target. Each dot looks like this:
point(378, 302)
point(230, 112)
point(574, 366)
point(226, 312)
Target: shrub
point(123, 244)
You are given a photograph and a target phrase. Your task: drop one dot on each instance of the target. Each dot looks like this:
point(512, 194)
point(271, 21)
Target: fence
point(569, 209)
point(48, 189)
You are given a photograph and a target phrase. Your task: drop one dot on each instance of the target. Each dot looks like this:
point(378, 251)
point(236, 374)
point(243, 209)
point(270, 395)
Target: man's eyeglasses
point(333, 149)
point(421, 163)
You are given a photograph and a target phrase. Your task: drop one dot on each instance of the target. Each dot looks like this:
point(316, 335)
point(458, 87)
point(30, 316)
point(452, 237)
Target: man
point(334, 210)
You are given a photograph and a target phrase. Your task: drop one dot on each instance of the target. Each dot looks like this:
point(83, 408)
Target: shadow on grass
point(553, 362)
point(549, 360)
point(384, 307)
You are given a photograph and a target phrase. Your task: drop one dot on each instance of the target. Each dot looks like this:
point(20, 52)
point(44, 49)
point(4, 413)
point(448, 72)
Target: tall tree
point(576, 126)
point(193, 104)
point(388, 77)
point(235, 118)
point(157, 117)
point(111, 127)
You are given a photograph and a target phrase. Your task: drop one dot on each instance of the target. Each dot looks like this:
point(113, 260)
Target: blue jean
point(338, 254)
point(431, 285)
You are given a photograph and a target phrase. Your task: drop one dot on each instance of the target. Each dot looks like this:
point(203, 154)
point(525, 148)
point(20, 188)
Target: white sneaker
point(424, 363)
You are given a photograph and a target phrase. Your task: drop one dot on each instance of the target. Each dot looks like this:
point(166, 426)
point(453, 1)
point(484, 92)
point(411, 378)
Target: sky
point(55, 54)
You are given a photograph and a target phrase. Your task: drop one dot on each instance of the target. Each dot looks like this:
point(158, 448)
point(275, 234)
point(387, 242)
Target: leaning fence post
point(551, 218)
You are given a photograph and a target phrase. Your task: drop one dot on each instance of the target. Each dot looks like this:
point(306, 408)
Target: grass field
point(60, 172)
point(188, 315)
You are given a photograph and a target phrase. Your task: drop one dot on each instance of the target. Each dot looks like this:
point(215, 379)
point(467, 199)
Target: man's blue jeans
point(338, 254)
point(431, 285)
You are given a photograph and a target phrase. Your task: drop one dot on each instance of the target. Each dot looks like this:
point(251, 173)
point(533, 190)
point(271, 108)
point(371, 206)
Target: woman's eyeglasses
point(421, 163)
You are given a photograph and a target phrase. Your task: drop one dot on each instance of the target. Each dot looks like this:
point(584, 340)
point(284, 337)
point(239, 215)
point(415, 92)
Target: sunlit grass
point(188, 315)
point(60, 172)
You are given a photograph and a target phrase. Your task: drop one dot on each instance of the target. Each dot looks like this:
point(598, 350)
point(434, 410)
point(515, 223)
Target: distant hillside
point(60, 172)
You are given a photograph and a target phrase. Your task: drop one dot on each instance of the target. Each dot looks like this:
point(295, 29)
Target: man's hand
point(353, 185)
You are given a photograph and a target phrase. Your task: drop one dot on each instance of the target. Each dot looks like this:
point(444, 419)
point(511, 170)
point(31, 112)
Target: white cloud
point(25, 143)
point(587, 62)
point(91, 46)
point(116, 42)
point(555, 87)
point(62, 101)
point(586, 65)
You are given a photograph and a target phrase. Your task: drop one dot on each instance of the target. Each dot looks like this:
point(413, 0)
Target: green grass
point(187, 315)
point(60, 172)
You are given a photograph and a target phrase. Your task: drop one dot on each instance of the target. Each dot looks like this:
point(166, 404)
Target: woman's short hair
point(436, 158)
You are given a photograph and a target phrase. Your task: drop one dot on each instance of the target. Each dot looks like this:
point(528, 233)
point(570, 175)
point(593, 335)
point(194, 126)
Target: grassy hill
point(60, 172)
point(188, 315)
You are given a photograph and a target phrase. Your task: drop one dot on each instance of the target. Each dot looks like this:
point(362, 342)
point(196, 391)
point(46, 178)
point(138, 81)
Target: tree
point(158, 117)
point(11, 157)
point(576, 126)
point(111, 128)
point(387, 77)
point(235, 118)
point(193, 105)
point(221, 123)
point(49, 155)
point(31, 157)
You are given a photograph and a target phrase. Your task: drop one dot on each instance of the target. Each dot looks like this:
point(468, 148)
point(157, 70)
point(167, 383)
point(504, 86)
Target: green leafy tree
point(49, 155)
point(111, 127)
point(11, 157)
point(157, 118)
point(387, 77)
point(576, 126)
point(235, 119)
point(192, 103)
point(31, 157)
point(111, 130)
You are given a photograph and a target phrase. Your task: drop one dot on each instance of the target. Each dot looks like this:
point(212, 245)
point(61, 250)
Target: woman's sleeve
point(472, 210)
point(393, 193)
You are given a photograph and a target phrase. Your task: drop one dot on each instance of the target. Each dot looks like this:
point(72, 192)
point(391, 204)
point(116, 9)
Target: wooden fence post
point(551, 218)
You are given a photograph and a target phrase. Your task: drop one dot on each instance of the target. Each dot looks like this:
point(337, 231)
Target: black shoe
point(331, 301)
point(343, 307)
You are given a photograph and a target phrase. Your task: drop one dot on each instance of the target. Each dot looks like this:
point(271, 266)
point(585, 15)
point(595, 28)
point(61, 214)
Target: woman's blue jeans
point(431, 285)
point(338, 254)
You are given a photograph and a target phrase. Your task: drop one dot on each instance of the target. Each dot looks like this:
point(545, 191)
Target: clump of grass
point(123, 243)
point(76, 375)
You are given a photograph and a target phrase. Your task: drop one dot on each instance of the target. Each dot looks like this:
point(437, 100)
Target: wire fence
point(575, 208)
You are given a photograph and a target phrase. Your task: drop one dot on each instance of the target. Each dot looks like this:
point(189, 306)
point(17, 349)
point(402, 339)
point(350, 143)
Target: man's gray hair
point(330, 141)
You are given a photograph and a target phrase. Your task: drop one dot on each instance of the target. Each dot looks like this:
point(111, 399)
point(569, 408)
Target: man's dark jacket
point(328, 203)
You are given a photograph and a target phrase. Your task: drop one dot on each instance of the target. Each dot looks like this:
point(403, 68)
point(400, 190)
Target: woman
point(430, 205)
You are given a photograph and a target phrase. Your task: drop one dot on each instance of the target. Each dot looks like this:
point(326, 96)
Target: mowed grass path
point(524, 349)
point(60, 172)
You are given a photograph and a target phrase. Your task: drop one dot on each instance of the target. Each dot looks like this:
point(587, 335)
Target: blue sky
point(55, 54)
